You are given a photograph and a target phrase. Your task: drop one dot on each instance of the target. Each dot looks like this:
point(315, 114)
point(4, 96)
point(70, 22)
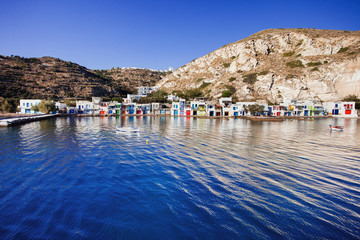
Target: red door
point(347, 111)
point(188, 112)
point(102, 112)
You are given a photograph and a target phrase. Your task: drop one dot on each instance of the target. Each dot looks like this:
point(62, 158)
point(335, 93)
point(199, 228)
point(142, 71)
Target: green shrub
point(299, 43)
point(232, 79)
point(239, 71)
point(250, 78)
point(233, 57)
point(204, 85)
point(343, 50)
point(295, 64)
point(313, 64)
point(315, 69)
point(199, 80)
point(325, 62)
point(193, 93)
point(288, 54)
point(299, 55)
point(226, 93)
point(226, 65)
point(263, 73)
point(232, 89)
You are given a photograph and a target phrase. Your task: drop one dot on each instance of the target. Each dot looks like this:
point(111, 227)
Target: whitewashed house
point(340, 109)
point(243, 106)
point(155, 108)
point(27, 104)
point(104, 108)
point(178, 108)
point(173, 97)
point(210, 109)
point(348, 109)
point(144, 91)
point(60, 107)
point(226, 104)
point(71, 110)
point(96, 104)
point(85, 107)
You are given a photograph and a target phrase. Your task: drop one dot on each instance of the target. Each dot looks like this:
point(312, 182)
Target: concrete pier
point(18, 120)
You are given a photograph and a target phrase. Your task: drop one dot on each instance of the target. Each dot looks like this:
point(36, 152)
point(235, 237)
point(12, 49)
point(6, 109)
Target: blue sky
point(153, 34)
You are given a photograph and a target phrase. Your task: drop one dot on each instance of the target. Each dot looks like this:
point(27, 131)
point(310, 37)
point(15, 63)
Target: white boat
point(127, 129)
point(336, 128)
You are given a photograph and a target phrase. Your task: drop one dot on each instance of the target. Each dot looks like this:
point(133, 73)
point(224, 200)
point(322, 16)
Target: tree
point(70, 103)
point(8, 105)
point(193, 93)
point(118, 99)
point(157, 96)
point(46, 106)
point(256, 109)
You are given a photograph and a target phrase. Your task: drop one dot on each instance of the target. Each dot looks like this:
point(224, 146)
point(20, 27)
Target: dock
point(19, 120)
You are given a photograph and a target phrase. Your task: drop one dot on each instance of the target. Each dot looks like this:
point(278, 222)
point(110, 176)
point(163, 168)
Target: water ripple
point(180, 178)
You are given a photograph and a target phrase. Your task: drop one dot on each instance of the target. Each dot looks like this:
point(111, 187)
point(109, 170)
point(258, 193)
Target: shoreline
point(11, 119)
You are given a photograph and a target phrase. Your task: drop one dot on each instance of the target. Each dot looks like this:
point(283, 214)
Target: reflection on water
point(195, 179)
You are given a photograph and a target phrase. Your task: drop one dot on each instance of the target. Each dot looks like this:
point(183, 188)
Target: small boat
point(336, 128)
point(127, 129)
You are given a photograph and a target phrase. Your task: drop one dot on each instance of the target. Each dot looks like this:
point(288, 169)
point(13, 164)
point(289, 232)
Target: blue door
point(306, 113)
point(336, 111)
point(176, 112)
point(27, 111)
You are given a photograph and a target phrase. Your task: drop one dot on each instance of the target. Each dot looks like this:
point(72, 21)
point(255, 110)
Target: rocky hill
point(275, 64)
point(129, 78)
point(51, 77)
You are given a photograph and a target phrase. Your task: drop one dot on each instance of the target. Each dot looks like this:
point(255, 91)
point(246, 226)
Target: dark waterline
point(75, 178)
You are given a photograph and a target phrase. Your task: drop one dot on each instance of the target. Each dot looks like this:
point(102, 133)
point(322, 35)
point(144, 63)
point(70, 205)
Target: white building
point(226, 104)
point(131, 97)
point(60, 106)
point(172, 98)
point(144, 91)
point(85, 107)
point(27, 104)
point(96, 104)
point(340, 109)
point(71, 110)
point(178, 108)
point(244, 105)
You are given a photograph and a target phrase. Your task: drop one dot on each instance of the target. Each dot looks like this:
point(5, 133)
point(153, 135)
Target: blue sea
point(180, 178)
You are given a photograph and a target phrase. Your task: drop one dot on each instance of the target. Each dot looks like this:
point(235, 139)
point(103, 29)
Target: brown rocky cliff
point(276, 64)
point(51, 77)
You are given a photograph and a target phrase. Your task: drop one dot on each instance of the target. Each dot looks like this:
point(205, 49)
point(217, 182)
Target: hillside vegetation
point(49, 77)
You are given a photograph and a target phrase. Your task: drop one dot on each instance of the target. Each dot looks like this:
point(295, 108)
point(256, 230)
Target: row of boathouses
point(201, 107)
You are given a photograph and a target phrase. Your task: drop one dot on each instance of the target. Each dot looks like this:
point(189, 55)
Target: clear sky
point(153, 34)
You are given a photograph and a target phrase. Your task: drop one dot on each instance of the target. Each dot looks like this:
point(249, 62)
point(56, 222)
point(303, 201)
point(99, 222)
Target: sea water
point(180, 178)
